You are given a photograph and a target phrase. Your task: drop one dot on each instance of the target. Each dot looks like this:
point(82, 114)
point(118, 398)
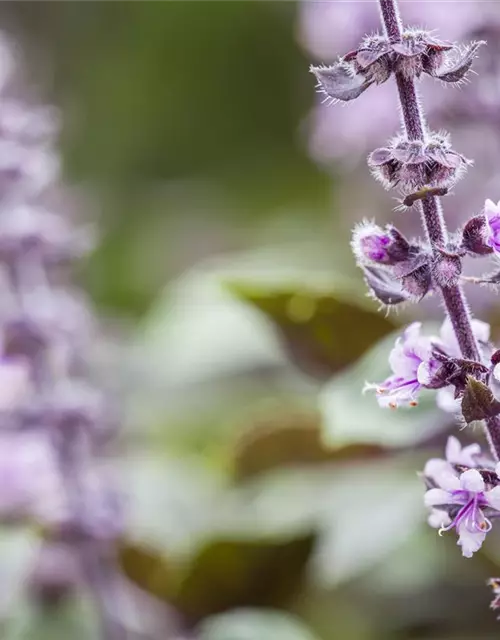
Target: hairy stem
point(432, 216)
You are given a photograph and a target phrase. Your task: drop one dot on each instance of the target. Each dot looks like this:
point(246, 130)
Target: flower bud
point(474, 236)
point(372, 244)
point(412, 164)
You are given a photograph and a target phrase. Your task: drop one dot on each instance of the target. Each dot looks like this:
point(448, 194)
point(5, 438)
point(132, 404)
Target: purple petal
point(493, 498)
point(470, 541)
point(435, 497)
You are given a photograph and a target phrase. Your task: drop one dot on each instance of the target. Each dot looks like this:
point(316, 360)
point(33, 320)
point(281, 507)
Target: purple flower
point(465, 499)
point(414, 366)
point(409, 359)
point(455, 454)
point(492, 215)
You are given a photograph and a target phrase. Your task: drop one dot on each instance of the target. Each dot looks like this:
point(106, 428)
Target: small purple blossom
point(492, 215)
point(468, 501)
point(410, 358)
point(414, 366)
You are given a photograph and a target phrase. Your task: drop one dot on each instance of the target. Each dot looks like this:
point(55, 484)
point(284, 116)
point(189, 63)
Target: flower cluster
point(413, 164)
point(461, 364)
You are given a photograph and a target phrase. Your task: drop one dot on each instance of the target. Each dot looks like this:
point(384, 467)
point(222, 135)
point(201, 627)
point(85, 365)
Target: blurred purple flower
point(54, 422)
point(30, 485)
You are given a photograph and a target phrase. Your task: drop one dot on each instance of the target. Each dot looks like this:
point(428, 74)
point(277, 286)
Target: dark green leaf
point(323, 328)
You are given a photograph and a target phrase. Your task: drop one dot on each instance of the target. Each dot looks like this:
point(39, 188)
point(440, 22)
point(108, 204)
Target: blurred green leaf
point(254, 624)
point(349, 416)
point(244, 572)
point(324, 325)
point(148, 569)
point(368, 512)
point(170, 502)
point(287, 438)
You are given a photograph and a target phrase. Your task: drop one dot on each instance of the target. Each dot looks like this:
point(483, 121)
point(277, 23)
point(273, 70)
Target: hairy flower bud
point(371, 244)
point(475, 236)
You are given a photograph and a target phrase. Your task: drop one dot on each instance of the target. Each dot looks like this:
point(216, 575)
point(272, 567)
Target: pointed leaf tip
point(383, 287)
point(456, 69)
point(478, 402)
point(340, 82)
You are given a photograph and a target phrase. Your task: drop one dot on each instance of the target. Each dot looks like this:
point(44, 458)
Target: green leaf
point(288, 438)
point(254, 624)
point(478, 402)
point(349, 416)
point(228, 573)
point(369, 511)
point(324, 321)
point(148, 569)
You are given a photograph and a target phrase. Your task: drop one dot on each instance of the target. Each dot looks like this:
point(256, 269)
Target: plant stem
point(432, 216)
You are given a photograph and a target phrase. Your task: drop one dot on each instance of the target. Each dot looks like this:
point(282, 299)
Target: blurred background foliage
point(268, 499)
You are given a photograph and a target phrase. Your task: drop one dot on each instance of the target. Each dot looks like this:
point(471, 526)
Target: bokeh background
point(268, 499)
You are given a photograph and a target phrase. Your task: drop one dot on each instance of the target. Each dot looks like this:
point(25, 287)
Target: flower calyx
point(377, 57)
point(414, 165)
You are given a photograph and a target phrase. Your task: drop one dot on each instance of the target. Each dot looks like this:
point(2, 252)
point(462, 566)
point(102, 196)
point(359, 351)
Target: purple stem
point(432, 215)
